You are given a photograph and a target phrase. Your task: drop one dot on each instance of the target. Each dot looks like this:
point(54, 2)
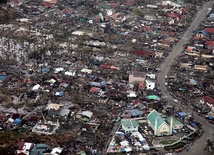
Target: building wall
point(151, 125)
point(164, 129)
point(129, 129)
point(177, 126)
point(133, 79)
point(150, 85)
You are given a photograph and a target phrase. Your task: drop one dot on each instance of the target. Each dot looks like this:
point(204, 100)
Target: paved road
point(199, 145)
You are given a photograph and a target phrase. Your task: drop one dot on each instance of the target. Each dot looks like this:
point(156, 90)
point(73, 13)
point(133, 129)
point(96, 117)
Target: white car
point(175, 100)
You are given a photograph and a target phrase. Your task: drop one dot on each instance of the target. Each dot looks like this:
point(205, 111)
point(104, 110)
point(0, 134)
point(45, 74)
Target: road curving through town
point(198, 147)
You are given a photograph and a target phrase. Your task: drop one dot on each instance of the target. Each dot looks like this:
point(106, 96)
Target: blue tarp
point(61, 93)
point(123, 150)
point(91, 76)
point(181, 89)
point(103, 83)
point(192, 81)
point(129, 106)
point(203, 32)
point(210, 117)
point(45, 70)
point(136, 112)
point(95, 84)
point(122, 33)
point(143, 141)
point(2, 77)
point(141, 61)
point(17, 121)
point(193, 125)
point(182, 114)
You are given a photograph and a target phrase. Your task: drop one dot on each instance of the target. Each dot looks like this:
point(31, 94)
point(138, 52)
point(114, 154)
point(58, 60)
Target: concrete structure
point(24, 147)
point(46, 128)
point(136, 77)
point(150, 85)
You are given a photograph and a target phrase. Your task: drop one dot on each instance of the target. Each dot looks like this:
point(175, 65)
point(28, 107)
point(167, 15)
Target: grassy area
point(65, 127)
point(165, 142)
point(23, 130)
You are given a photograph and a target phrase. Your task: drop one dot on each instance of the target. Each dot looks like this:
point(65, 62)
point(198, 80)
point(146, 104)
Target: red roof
point(33, 119)
point(1, 118)
point(208, 99)
point(209, 42)
point(21, 145)
point(141, 85)
point(143, 53)
point(114, 4)
point(105, 66)
point(27, 80)
point(209, 30)
point(146, 28)
point(129, 3)
point(135, 102)
point(115, 15)
point(46, 4)
point(173, 15)
point(94, 89)
point(167, 33)
point(198, 38)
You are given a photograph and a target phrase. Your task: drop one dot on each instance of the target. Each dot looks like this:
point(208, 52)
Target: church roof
point(175, 121)
point(153, 116)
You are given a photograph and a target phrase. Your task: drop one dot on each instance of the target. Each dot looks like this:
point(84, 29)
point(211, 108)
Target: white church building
point(158, 124)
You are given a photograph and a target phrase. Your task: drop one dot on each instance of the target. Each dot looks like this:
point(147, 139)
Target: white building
point(129, 125)
point(150, 85)
point(158, 125)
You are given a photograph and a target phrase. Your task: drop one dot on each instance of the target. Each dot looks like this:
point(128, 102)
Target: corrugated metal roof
point(130, 123)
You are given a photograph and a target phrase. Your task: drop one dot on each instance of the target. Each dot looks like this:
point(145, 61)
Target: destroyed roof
point(87, 114)
point(54, 106)
point(208, 99)
point(51, 1)
point(173, 15)
point(139, 74)
point(24, 146)
point(143, 53)
point(167, 33)
point(94, 89)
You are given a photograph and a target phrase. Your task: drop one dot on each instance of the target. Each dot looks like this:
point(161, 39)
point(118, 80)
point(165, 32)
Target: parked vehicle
point(178, 150)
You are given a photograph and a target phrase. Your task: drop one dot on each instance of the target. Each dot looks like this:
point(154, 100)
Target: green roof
point(82, 153)
point(129, 123)
point(153, 116)
point(175, 121)
point(153, 97)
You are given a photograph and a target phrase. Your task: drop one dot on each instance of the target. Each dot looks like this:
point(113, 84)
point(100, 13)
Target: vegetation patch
point(165, 142)
point(175, 146)
point(194, 135)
